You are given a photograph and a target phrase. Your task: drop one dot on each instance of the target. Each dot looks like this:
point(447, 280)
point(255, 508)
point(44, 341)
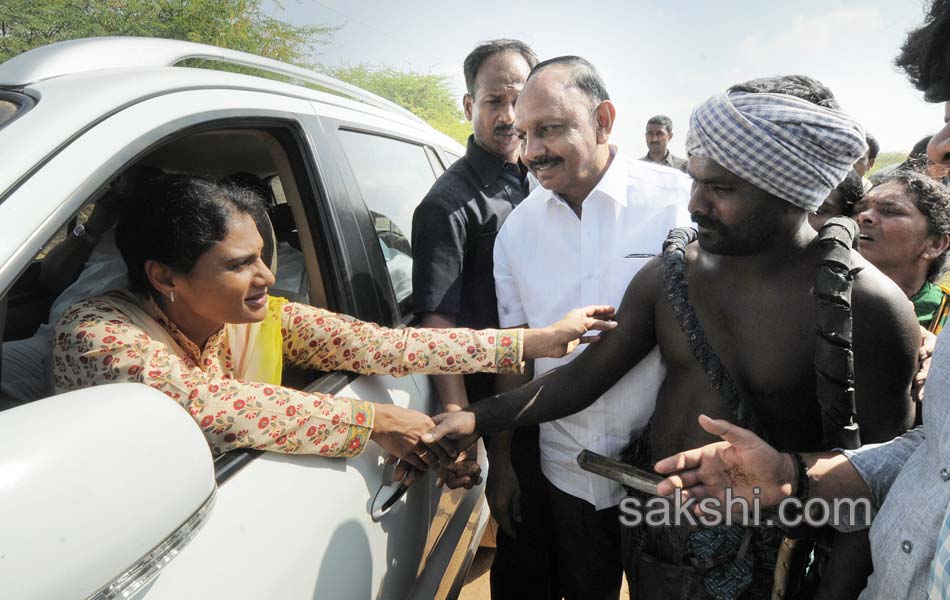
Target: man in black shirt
point(453, 232)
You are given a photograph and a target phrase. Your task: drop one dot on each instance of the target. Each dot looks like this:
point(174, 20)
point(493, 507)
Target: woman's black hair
point(174, 219)
point(932, 199)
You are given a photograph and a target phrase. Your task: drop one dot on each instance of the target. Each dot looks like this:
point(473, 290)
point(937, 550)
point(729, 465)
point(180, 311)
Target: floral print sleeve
point(96, 344)
point(323, 340)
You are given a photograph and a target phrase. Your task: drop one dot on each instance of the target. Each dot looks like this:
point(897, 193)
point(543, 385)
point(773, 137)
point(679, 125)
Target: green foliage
point(427, 95)
point(235, 24)
point(886, 159)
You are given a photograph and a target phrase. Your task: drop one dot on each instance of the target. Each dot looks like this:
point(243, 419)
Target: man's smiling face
point(558, 130)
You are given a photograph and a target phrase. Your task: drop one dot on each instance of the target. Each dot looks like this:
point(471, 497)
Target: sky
point(656, 57)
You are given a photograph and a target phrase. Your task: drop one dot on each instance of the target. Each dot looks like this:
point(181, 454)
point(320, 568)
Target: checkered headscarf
point(787, 146)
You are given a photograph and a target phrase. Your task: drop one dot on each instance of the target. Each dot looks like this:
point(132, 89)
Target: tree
point(235, 24)
point(427, 95)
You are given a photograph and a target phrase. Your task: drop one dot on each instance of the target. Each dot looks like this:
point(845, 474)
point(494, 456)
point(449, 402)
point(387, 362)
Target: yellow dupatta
point(256, 348)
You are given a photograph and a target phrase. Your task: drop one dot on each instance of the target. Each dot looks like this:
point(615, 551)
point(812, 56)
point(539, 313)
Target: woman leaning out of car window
point(198, 324)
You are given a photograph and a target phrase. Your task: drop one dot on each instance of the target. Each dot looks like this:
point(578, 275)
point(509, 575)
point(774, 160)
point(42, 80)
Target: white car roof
point(95, 54)
point(79, 82)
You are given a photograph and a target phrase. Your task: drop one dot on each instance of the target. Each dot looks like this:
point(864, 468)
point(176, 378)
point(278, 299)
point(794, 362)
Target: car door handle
point(386, 500)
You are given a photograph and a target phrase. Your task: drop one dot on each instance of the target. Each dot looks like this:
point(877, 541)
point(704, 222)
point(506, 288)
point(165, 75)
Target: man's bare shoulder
point(880, 307)
point(871, 286)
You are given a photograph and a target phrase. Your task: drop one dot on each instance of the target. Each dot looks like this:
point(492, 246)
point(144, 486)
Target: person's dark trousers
point(587, 545)
point(524, 567)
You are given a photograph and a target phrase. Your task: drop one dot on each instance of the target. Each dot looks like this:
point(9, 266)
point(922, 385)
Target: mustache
point(503, 129)
point(544, 161)
point(708, 223)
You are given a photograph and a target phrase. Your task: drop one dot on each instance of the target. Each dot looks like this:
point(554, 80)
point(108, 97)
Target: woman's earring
point(171, 295)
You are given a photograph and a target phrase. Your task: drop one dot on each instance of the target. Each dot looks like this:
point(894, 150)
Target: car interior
point(243, 155)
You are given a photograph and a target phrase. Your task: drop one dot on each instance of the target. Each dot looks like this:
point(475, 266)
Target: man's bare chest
point(764, 336)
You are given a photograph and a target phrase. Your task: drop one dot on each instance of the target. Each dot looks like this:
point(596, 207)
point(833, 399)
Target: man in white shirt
point(579, 239)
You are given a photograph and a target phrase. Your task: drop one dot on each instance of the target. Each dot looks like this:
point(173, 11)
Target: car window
point(435, 161)
point(12, 105)
point(7, 111)
point(451, 157)
point(61, 273)
point(393, 176)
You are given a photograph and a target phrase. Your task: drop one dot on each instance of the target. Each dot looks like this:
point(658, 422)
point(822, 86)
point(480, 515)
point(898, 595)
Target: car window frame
point(393, 314)
point(24, 103)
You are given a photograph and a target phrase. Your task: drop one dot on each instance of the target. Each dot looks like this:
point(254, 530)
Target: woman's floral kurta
point(97, 344)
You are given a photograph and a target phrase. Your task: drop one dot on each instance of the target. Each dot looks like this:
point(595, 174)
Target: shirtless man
point(750, 279)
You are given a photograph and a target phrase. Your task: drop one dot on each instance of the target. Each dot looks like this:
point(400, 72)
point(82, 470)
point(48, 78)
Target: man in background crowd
point(658, 135)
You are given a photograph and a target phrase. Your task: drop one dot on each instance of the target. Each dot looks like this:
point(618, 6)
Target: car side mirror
point(99, 489)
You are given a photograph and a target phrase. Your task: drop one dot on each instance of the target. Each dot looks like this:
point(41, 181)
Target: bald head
point(564, 119)
point(575, 72)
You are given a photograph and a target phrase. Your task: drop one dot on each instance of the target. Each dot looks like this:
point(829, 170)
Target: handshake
point(446, 442)
point(420, 443)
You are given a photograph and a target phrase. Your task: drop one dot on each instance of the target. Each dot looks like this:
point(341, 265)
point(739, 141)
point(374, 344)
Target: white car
point(112, 491)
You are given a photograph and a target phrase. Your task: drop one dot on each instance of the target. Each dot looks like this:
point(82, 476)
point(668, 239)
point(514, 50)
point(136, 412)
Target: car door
point(389, 174)
point(282, 526)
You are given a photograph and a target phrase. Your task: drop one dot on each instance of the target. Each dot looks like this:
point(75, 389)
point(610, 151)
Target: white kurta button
point(906, 546)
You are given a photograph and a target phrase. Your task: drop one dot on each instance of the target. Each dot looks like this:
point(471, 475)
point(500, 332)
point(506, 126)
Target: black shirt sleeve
point(439, 238)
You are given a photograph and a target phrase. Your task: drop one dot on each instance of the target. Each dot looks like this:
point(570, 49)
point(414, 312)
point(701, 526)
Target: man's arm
point(502, 488)
point(743, 461)
point(886, 343)
point(574, 386)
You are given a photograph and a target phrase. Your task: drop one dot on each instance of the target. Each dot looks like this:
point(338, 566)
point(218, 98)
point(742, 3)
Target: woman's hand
point(559, 339)
point(399, 431)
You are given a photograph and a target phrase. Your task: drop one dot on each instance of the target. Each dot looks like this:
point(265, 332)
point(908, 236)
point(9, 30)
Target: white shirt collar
point(613, 184)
